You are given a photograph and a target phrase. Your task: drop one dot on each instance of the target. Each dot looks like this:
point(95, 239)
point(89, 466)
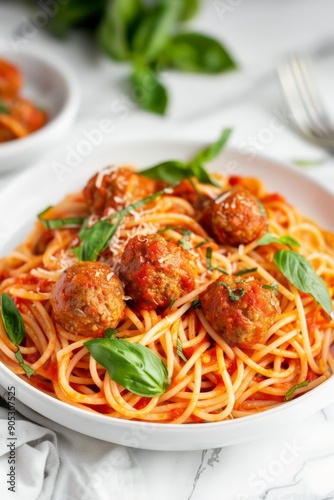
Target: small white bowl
point(51, 84)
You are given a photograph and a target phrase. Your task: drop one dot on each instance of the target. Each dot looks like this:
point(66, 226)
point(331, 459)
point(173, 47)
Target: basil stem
point(302, 275)
point(133, 366)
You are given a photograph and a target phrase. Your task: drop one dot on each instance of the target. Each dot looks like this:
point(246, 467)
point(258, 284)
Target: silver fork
point(306, 108)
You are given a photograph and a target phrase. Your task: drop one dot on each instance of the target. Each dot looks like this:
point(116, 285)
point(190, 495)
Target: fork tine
point(293, 98)
point(310, 96)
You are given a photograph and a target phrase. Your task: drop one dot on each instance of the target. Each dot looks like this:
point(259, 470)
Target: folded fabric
point(55, 463)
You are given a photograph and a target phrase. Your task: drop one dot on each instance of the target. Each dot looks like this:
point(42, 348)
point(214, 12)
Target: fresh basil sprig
point(302, 275)
point(268, 238)
point(148, 35)
point(173, 171)
point(96, 238)
point(14, 327)
point(288, 395)
point(133, 366)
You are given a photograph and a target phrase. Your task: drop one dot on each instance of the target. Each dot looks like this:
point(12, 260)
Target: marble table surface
point(295, 462)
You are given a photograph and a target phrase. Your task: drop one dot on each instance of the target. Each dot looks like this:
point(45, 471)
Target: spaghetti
point(210, 379)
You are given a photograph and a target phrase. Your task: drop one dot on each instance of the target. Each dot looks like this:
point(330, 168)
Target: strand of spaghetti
point(135, 320)
point(147, 320)
point(192, 295)
point(258, 368)
point(48, 328)
point(196, 340)
point(326, 344)
point(35, 332)
point(163, 324)
point(264, 274)
point(174, 389)
point(190, 363)
point(62, 396)
point(43, 273)
point(74, 360)
point(194, 396)
point(71, 347)
point(256, 388)
point(31, 263)
point(27, 294)
point(304, 330)
point(170, 219)
point(115, 400)
point(96, 399)
point(229, 389)
point(94, 373)
point(215, 336)
point(281, 340)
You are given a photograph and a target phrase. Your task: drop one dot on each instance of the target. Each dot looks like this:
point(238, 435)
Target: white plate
point(38, 188)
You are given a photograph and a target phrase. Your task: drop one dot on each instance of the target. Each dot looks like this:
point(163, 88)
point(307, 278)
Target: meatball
point(87, 299)
point(242, 311)
point(117, 189)
point(235, 218)
point(11, 79)
point(156, 272)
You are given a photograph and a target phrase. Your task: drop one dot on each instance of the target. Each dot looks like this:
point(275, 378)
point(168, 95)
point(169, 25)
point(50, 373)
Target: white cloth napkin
point(55, 463)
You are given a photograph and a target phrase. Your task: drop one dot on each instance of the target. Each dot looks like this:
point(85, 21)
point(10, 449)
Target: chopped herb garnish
point(245, 271)
point(309, 163)
point(288, 395)
point(239, 280)
point(196, 304)
point(172, 302)
point(208, 259)
point(261, 208)
point(235, 294)
point(179, 350)
point(201, 243)
point(184, 241)
point(273, 287)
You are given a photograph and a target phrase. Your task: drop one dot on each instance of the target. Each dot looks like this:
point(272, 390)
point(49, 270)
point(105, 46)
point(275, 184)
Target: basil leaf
point(133, 366)
point(12, 320)
point(29, 371)
point(74, 13)
point(292, 390)
point(179, 350)
point(210, 152)
point(302, 275)
point(197, 53)
point(168, 171)
point(150, 94)
point(268, 238)
point(114, 31)
point(155, 29)
point(175, 171)
point(66, 222)
point(4, 109)
point(245, 271)
point(189, 9)
point(233, 295)
point(96, 239)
